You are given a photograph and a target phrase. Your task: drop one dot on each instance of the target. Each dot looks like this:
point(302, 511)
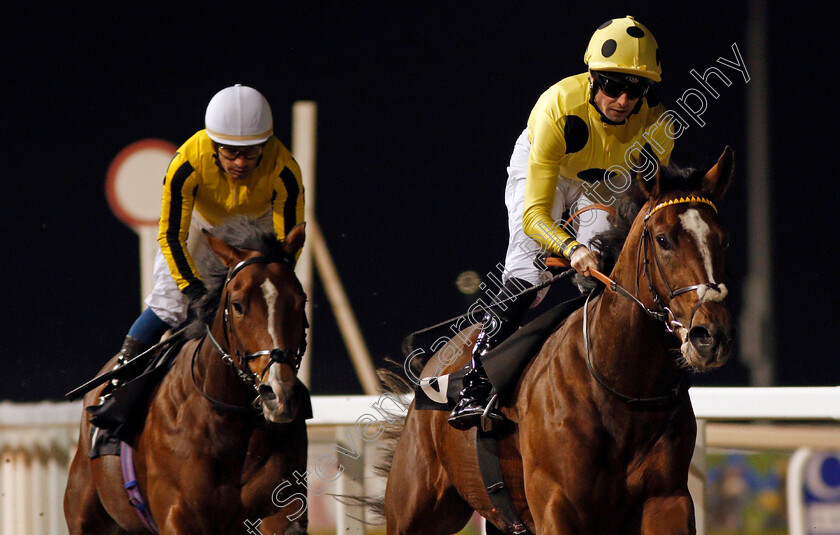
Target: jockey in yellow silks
point(580, 136)
point(235, 166)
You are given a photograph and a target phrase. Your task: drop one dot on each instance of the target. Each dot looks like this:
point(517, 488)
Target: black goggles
point(613, 87)
point(249, 152)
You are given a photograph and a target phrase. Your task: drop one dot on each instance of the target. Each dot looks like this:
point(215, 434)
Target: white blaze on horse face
point(700, 231)
point(270, 295)
point(275, 408)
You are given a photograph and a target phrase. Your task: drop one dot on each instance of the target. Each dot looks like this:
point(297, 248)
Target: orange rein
point(595, 206)
point(560, 262)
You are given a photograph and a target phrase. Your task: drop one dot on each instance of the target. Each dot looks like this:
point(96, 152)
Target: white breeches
point(522, 250)
point(166, 300)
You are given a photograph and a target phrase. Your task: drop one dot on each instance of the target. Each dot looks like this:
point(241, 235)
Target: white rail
point(37, 441)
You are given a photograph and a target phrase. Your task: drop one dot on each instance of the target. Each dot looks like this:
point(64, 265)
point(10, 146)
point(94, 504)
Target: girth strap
point(494, 482)
point(135, 497)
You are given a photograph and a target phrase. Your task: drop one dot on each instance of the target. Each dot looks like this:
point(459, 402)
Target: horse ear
point(294, 239)
point(226, 253)
point(717, 179)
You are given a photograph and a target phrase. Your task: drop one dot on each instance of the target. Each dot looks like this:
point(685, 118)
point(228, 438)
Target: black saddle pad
point(504, 364)
point(121, 416)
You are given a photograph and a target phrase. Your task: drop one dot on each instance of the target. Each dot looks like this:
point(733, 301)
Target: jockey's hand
point(584, 260)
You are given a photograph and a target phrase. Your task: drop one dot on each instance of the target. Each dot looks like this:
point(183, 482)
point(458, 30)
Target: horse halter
point(239, 361)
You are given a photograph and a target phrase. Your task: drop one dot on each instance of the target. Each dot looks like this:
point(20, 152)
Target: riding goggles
point(614, 85)
point(250, 152)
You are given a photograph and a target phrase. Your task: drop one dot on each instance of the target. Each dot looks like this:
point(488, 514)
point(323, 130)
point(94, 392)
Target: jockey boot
point(476, 394)
point(131, 348)
point(475, 397)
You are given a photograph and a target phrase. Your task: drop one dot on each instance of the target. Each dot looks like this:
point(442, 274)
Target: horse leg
point(422, 511)
point(419, 497)
point(668, 515)
point(83, 510)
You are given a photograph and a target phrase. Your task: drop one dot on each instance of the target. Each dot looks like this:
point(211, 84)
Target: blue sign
point(822, 493)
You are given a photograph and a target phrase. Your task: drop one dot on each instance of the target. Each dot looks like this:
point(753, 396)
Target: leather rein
point(239, 361)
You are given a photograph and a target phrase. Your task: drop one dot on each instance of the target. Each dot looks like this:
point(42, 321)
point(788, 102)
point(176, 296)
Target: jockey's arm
point(547, 147)
point(288, 205)
point(178, 201)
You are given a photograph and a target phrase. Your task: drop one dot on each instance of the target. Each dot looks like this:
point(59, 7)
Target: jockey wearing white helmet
point(235, 166)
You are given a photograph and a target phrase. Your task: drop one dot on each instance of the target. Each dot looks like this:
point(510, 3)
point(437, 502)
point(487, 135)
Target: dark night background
point(419, 106)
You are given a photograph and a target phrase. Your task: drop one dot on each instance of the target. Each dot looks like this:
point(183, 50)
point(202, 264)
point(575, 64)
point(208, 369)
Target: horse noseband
point(284, 356)
point(280, 356)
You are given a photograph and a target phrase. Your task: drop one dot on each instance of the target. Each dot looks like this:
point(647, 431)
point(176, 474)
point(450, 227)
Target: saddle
point(504, 364)
point(121, 416)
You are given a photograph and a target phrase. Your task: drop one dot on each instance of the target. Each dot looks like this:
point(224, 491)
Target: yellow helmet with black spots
point(624, 45)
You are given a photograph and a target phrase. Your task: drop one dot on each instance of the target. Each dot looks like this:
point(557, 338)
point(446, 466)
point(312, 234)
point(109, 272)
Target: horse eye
point(237, 307)
point(662, 240)
point(725, 244)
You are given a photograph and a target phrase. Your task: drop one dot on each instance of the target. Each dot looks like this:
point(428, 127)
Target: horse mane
point(240, 232)
point(673, 179)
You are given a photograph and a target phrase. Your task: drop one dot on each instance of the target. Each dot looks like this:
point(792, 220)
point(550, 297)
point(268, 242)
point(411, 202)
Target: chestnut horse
point(604, 429)
point(223, 436)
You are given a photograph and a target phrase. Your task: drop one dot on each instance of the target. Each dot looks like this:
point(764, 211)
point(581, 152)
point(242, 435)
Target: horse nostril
point(267, 393)
point(701, 338)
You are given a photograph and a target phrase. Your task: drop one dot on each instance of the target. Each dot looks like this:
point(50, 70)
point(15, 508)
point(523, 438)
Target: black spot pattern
point(608, 48)
point(635, 31)
point(604, 25)
point(576, 133)
point(594, 174)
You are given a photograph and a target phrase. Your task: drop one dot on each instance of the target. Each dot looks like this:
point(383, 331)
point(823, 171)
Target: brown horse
point(207, 460)
point(604, 428)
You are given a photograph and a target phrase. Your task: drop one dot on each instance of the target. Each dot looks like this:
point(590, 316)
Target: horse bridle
point(239, 361)
point(663, 314)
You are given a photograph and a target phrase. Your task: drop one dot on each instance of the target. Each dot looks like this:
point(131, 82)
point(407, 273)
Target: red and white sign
point(135, 181)
point(133, 188)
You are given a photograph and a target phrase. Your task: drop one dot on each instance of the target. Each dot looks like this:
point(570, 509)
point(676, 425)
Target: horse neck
point(631, 350)
point(217, 379)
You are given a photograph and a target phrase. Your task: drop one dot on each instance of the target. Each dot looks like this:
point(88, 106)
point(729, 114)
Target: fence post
point(350, 518)
point(697, 478)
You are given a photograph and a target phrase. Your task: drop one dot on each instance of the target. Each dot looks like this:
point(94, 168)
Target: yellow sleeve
point(179, 188)
point(288, 202)
point(547, 147)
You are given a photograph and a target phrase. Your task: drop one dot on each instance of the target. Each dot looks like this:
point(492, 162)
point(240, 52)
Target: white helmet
point(238, 115)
